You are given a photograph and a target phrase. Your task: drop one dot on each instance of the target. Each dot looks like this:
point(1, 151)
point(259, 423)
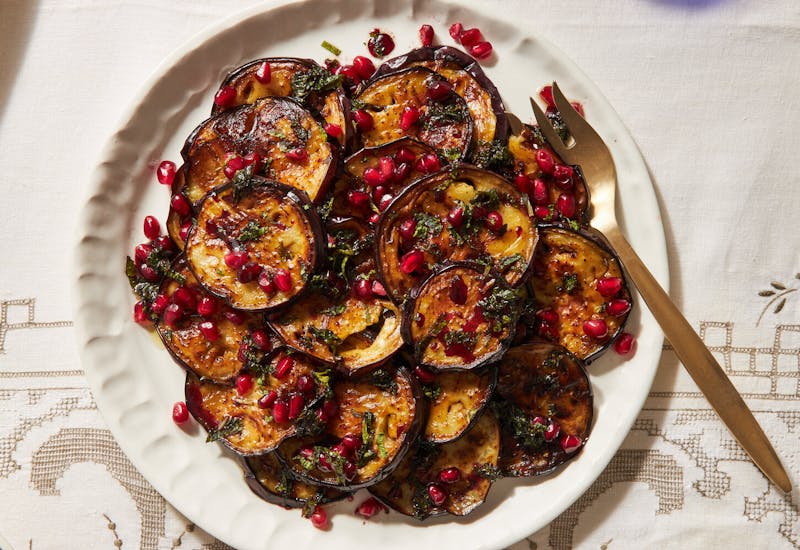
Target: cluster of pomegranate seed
point(552, 176)
point(472, 40)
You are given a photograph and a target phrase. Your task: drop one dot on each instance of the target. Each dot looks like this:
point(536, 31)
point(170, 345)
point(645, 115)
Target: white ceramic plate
point(133, 378)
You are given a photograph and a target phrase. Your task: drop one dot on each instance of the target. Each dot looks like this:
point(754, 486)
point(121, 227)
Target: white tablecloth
point(708, 88)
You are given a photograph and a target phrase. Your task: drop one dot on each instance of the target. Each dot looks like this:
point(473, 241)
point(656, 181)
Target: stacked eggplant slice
point(375, 286)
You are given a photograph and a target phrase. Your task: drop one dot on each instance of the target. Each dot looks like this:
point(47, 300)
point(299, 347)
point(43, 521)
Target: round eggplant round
point(206, 345)
point(176, 220)
point(457, 401)
point(562, 195)
point(578, 291)
point(544, 404)
point(462, 471)
point(269, 480)
point(292, 148)
point(441, 119)
point(468, 80)
point(462, 214)
point(377, 419)
point(247, 422)
point(393, 165)
point(255, 246)
point(291, 77)
point(460, 318)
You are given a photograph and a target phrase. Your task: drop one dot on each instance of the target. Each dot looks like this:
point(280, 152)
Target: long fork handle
point(703, 368)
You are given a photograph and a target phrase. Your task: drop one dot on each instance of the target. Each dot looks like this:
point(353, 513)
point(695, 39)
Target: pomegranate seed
point(159, 304)
point(234, 317)
point(363, 120)
point(570, 443)
point(319, 517)
point(369, 508)
point(566, 205)
point(306, 452)
point(546, 93)
point(450, 475)
point(563, 175)
point(150, 274)
point(209, 330)
point(244, 383)
point(539, 420)
point(456, 29)
point(545, 161)
point(373, 218)
point(387, 166)
point(618, 307)
point(306, 384)
point(401, 172)
point(523, 183)
point(233, 165)
point(280, 411)
point(426, 35)
point(350, 470)
point(380, 44)
point(165, 173)
point(330, 408)
point(180, 412)
point(481, 50)
point(297, 155)
point(350, 74)
point(324, 465)
point(552, 431)
point(458, 291)
point(165, 244)
point(363, 289)
point(541, 212)
point(384, 202)
point(261, 339)
point(172, 314)
point(428, 163)
point(363, 66)
point(180, 205)
point(409, 117)
point(438, 90)
point(141, 252)
point(540, 193)
point(595, 328)
point(609, 286)
point(425, 376)
point(352, 442)
point(623, 345)
point(254, 160)
point(185, 297)
point(140, 314)
point(412, 261)
point(378, 193)
point(264, 73)
point(357, 199)
point(266, 283)
point(407, 228)
point(267, 400)
point(152, 229)
point(249, 272)
point(341, 450)
point(296, 404)
point(185, 227)
point(578, 107)
point(236, 258)
point(378, 289)
point(284, 365)
point(548, 316)
point(333, 130)
point(283, 280)
point(437, 494)
point(225, 96)
point(470, 37)
point(373, 177)
point(494, 221)
point(456, 216)
point(405, 155)
point(207, 306)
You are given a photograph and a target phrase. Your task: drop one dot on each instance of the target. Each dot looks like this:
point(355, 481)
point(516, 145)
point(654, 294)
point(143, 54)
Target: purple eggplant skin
point(449, 55)
point(570, 328)
point(494, 354)
point(303, 205)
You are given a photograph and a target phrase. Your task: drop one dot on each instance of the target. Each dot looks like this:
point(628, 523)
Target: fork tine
point(547, 131)
point(574, 121)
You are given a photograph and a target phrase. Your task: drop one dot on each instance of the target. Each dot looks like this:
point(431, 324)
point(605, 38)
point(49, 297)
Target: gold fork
point(587, 150)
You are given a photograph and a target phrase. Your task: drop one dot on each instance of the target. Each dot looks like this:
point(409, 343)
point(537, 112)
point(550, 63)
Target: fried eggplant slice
point(468, 464)
point(303, 79)
point(269, 480)
point(460, 318)
point(579, 292)
point(467, 79)
point(377, 419)
point(395, 162)
point(544, 404)
point(442, 118)
point(461, 214)
point(271, 410)
point(255, 245)
point(560, 193)
point(177, 220)
point(457, 400)
point(207, 345)
point(291, 145)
